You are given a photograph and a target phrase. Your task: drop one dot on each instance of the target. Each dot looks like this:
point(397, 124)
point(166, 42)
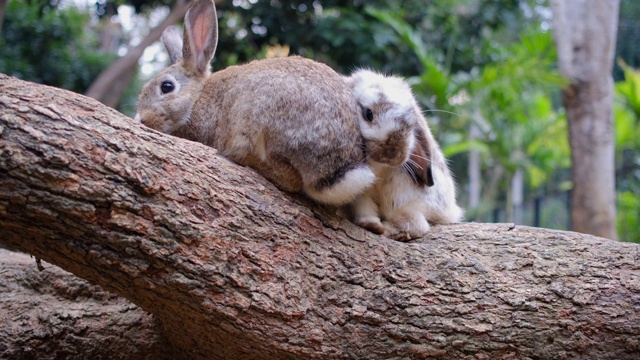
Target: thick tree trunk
point(51, 314)
point(585, 33)
point(109, 86)
point(517, 197)
point(233, 268)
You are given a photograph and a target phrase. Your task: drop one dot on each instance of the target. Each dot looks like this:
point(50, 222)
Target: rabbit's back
point(290, 109)
point(304, 101)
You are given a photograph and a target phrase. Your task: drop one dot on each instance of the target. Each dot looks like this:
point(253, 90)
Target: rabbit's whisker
point(442, 111)
point(420, 157)
point(372, 154)
point(410, 171)
point(411, 162)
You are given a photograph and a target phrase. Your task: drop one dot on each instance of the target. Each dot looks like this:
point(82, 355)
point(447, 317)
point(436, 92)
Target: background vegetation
point(484, 70)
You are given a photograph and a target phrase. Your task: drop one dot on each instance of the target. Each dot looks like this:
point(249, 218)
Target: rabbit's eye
point(167, 87)
point(368, 114)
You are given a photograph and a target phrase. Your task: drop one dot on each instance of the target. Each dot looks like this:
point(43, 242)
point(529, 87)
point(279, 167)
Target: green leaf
point(629, 89)
point(465, 146)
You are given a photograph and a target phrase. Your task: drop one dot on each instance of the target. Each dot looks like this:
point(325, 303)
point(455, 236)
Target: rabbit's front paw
point(371, 223)
point(406, 230)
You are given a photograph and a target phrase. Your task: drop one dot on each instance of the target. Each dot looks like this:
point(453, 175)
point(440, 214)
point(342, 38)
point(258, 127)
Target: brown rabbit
point(292, 119)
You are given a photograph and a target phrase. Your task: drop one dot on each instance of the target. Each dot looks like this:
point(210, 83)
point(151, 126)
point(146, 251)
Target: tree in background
point(49, 45)
point(111, 84)
point(585, 33)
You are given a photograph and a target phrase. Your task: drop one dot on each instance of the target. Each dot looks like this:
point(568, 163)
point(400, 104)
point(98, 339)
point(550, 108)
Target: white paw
point(371, 223)
point(406, 230)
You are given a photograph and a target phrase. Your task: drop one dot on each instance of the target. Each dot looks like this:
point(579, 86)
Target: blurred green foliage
point(627, 123)
point(51, 46)
point(628, 34)
point(458, 33)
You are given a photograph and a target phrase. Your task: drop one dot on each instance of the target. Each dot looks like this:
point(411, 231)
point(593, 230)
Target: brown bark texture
point(233, 268)
point(52, 314)
point(585, 34)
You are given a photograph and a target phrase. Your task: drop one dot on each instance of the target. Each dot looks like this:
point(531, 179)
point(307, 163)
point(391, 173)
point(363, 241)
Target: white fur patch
point(368, 85)
point(369, 88)
point(352, 184)
point(368, 219)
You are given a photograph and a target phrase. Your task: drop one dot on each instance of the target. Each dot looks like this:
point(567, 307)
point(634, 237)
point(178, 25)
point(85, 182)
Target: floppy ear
point(172, 43)
point(420, 159)
point(200, 36)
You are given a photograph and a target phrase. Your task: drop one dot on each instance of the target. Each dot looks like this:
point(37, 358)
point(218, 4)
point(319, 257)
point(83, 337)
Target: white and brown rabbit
point(292, 119)
point(414, 186)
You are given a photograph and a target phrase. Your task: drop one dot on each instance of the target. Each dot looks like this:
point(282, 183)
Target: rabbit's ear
point(420, 159)
point(173, 43)
point(200, 36)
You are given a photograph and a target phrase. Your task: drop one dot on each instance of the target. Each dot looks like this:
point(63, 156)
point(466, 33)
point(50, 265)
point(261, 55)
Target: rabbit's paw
point(371, 223)
point(406, 231)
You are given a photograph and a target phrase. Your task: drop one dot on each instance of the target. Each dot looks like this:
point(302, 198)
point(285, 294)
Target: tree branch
point(52, 314)
point(233, 268)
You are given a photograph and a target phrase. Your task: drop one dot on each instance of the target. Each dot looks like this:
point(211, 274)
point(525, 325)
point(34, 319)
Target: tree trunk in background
point(113, 81)
point(110, 32)
point(517, 196)
point(585, 34)
point(232, 268)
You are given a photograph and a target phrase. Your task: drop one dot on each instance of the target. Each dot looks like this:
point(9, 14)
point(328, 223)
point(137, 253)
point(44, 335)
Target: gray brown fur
point(292, 119)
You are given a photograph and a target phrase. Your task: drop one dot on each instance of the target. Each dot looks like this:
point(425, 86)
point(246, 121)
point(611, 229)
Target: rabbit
point(414, 186)
point(292, 119)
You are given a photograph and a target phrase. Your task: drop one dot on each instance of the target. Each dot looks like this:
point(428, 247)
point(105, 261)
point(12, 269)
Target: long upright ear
point(200, 36)
point(173, 43)
point(420, 159)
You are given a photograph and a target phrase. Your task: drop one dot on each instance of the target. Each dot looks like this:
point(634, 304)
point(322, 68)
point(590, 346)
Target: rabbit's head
point(387, 122)
point(392, 124)
point(166, 101)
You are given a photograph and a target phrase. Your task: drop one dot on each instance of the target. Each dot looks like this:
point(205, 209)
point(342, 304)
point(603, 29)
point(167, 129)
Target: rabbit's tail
point(343, 186)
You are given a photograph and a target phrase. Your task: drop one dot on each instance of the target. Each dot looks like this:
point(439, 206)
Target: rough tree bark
point(585, 34)
point(233, 268)
point(52, 314)
point(109, 86)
